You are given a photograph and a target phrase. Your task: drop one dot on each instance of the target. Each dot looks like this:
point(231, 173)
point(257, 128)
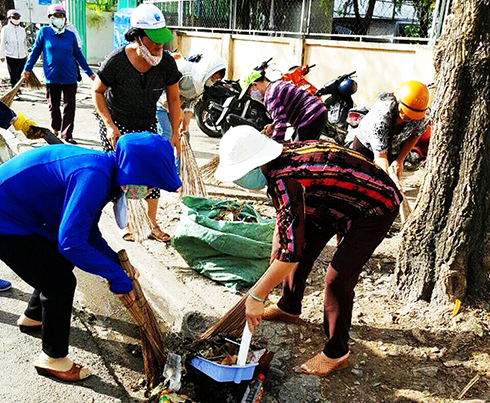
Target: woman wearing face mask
point(13, 46)
point(195, 76)
point(61, 55)
point(128, 86)
point(287, 105)
point(52, 201)
point(318, 189)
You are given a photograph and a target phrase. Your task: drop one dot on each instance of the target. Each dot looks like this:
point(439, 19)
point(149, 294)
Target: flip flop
point(128, 236)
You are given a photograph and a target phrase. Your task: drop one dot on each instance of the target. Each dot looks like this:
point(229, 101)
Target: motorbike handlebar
point(263, 66)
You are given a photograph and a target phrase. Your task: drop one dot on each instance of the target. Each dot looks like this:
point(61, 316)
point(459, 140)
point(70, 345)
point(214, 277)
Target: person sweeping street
point(288, 106)
point(51, 202)
point(61, 57)
point(318, 189)
point(128, 86)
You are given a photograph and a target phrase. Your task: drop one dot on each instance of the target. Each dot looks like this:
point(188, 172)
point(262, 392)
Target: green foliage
point(412, 31)
point(102, 5)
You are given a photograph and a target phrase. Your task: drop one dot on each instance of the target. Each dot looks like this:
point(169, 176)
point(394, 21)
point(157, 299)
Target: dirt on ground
point(399, 352)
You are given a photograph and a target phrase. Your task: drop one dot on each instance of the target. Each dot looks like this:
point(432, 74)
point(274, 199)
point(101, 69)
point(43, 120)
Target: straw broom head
point(208, 170)
point(192, 183)
point(33, 82)
point(8, 98)
point(230, 324)
point(143, 315)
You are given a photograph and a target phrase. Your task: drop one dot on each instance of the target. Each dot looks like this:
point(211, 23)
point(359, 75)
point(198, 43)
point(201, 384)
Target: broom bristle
point(8, 98)
point(192, 183)
point(230, 324)
point(33, 82)
point(141, 312)
point(208, 170)
point(138, 220)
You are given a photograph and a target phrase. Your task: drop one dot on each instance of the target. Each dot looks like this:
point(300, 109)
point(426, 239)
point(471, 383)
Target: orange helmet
point(413, 98)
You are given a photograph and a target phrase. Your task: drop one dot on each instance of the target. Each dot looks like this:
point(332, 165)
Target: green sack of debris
point(224, 240)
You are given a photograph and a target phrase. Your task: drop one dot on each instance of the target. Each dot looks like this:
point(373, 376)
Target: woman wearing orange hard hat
point(393, 126)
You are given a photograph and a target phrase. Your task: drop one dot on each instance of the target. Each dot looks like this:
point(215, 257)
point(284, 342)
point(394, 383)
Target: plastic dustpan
point(228, 373)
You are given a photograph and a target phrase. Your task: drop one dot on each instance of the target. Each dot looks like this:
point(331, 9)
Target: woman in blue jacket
point(61, 54)
point(51, 200)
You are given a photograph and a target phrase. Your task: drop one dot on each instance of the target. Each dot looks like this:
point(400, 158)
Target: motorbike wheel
point(205, 121)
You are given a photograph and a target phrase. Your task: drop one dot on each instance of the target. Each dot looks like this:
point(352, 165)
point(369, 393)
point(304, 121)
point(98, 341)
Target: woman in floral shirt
point(393, 126)
point(318, 189)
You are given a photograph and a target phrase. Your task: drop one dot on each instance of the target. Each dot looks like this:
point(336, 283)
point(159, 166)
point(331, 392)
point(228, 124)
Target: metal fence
point(394, 20)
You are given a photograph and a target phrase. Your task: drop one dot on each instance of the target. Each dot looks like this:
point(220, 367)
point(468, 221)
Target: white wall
point(380, 67)
point(99, 39)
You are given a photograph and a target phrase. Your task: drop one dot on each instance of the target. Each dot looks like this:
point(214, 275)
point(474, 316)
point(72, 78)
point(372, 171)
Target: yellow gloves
point(22, 123)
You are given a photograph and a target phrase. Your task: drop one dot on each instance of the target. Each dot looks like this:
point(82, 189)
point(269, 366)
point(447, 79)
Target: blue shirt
point(60, 56)
point(58, 192)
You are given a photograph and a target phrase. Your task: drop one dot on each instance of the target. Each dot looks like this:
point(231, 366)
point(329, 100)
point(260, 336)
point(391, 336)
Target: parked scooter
point(338, 104)
point(254, 113)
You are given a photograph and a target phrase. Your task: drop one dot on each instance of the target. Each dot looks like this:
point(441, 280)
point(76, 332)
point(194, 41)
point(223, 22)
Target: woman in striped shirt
point(288, 105)
point(319, 189)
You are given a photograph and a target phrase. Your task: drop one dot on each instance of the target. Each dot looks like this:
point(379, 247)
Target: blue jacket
point(58, 192)
point(60, 56)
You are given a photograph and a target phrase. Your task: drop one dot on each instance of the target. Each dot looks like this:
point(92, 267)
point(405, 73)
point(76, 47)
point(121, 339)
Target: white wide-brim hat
point(242, 149)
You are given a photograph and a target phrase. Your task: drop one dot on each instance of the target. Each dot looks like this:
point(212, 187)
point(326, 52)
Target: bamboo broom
point(8, 98)
point(33, 82)
point(192, 183)
point(30, 81)
point(405, 209)
point(143, 315)
point(208, 170)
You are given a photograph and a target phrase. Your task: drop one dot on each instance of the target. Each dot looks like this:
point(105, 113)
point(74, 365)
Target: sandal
point(28, 325)
point(128, 236)
point(273, 312)
point(321, 365)
point(75, 373)
point(158, 235)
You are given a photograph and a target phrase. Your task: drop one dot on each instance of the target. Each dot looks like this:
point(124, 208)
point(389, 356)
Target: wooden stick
point(468, 387)
point(8, 98)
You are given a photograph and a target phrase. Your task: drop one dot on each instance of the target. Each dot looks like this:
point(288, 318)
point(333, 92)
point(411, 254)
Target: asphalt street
point(103, 337)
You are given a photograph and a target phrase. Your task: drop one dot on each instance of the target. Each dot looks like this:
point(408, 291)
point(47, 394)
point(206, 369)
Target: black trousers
point(357, 246)
point(313, 130)
point(59, 122)
point(38, 262)
point(15, 67)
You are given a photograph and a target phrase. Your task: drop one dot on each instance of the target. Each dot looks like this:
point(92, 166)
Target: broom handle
point(126, 265)
point(19, 83)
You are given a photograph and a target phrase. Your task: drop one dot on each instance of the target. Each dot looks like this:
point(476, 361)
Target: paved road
point(105, 341)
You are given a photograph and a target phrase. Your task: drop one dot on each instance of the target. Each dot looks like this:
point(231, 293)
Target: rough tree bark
point(444, 240)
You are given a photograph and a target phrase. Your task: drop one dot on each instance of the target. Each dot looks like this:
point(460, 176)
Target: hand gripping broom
point(143, 315)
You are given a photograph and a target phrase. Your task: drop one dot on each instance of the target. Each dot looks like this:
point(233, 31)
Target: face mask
point(135, 191)
point(149, 58)
point(253, 180)
point(58, 24)
point(15, 22)
point(210, 82)
point(121, 211)
point(256, 94)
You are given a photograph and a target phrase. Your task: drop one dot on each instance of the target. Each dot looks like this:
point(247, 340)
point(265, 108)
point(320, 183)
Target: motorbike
point(221, 98)
point(416, 155)
point(210, 107)
point(248, 111)
point(338, 101)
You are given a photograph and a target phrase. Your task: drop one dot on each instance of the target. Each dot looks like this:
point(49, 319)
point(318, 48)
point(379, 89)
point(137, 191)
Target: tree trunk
point(5, 6)
point(442, 255)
